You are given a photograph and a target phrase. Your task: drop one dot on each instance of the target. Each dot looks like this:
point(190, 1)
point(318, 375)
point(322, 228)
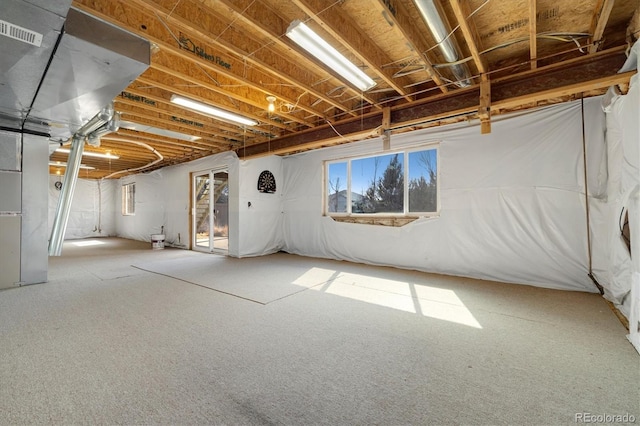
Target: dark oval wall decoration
point(266, 182)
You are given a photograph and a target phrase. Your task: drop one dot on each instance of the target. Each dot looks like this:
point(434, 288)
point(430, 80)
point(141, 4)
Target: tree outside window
point(397, 183)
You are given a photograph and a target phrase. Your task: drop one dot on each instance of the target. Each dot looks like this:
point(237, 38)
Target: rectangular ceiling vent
point(18, 33)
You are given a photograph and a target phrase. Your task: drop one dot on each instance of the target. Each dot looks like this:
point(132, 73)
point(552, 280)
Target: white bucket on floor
point(157, 241)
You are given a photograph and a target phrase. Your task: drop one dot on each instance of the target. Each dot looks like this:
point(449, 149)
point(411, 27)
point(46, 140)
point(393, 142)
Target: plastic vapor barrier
point(92, 209)
point(512, 202)
point(163, 200)
point(615, 219)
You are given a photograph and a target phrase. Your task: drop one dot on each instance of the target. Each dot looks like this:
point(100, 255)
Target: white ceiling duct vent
point(16, 32)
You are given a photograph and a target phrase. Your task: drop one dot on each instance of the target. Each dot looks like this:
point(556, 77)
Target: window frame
point(128, 206)
point(405, 162)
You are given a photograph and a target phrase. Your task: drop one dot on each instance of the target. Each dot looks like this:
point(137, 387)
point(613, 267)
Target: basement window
point(129, 199)
point(400, 184)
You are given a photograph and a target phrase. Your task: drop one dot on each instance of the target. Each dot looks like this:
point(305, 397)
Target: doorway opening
point(210, 202)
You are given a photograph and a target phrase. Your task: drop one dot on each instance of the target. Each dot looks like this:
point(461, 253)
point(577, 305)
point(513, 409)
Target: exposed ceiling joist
point(343, 29)
point(248, 59)
point(533, 33)
point(465, 21)
point(274, 32)
point(553, 82)
point(398, 16)
point(599, 22)
point(234, 54)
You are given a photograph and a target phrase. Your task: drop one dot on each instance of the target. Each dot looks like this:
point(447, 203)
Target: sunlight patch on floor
point(432, 302)
point(86, 243)
point(314, 276)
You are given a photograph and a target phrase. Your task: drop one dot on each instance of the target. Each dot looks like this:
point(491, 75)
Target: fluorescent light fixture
point(157, 131)
point(61, 164)
point(314, 44)
point(213, 111)
point(90, 154)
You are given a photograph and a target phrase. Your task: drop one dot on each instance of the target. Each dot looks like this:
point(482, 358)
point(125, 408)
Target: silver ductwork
point(111, 126)
point(439, 26)
point(93, 129)
point(94, 62)
point(59, 67)
point(81, 64)
point(66, 196)
point(24, 64)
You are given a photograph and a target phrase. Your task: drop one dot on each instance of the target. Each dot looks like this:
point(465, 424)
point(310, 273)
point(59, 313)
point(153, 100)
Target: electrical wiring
point(135, 169)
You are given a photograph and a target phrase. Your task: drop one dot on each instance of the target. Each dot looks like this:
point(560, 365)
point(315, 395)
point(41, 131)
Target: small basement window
point(129, 199)
point(401, 184)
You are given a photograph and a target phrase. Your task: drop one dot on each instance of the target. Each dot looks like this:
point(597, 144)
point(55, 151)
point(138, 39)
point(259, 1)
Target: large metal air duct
point(439, 26)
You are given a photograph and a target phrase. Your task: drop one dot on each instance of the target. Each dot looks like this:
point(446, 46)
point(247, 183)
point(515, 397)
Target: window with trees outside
point(398, 183)
point(129, 199)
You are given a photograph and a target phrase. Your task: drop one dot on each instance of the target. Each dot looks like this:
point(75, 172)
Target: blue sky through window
point(364, 170)
point(419, 161)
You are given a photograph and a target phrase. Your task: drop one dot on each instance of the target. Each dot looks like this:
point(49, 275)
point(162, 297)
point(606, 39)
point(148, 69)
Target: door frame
point(192, 210)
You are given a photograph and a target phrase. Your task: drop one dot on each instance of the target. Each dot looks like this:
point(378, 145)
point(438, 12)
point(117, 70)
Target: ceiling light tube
point(60, 164)
point(314, 44)
point(90, 154)
point(211, 110)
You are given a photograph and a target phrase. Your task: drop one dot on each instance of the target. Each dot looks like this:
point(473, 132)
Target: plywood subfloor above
point(233, 54)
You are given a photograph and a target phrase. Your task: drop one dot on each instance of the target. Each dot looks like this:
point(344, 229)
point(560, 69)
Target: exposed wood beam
point(130, 112)
point(198, 29)
point(158, 79)
point(189, 123)
point(117, 141)
point(533, 33)
point(273, 27)
point(587, 74)
point(572, 89)
point(383, 130)
point(484, 110)
point(633, 29)
point(343, 29)
point(173, 89)
point(260, 105)
point(155, 139)
point(155, 32)
point(599, 22)
point(601, 59)
point(163, 103)
point(462, 12)
point(414, 38)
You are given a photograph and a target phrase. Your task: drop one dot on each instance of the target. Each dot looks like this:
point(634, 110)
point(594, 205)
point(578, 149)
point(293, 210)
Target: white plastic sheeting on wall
point(152, 197)
point(92, 209)
point(260, 213)
point(612, 259)
point(512, 202)
point(623, 142)
point(163, 200)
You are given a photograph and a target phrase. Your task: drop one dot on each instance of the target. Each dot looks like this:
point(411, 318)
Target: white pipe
point(144, 145)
